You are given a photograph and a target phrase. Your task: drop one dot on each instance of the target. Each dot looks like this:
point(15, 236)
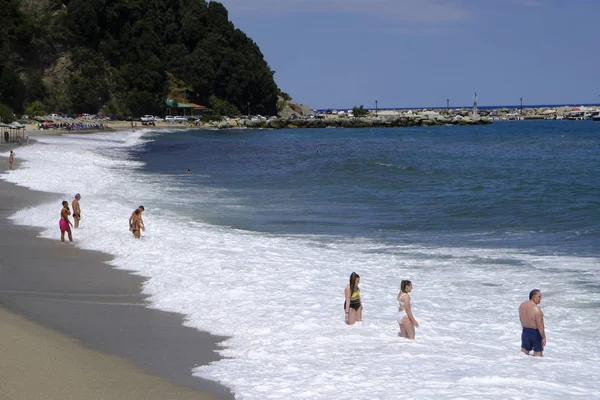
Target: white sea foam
point(280, 298)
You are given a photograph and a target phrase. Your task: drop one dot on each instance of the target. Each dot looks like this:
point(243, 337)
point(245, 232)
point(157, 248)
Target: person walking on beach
point(353, 304)
point(137, 217)
point(65, 223)
point(532, 321)
point(76, 210)
point(405, 317)
point(11, 159)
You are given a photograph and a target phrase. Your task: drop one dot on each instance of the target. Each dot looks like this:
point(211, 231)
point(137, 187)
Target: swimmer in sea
point(136, 225)
point(533, 336)
point(353, 304)
point(405, 317)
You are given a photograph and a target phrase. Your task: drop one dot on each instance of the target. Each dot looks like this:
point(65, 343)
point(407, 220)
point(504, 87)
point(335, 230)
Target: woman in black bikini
point(353, 304)
point(136, 223)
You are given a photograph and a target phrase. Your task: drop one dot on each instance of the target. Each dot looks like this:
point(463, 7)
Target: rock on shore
point(389, 121)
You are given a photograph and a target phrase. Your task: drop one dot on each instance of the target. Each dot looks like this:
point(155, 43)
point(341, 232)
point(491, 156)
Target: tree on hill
point(123, 53)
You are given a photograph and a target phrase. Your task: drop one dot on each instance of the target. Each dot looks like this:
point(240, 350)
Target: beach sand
point(33, 130)
point(72, 327)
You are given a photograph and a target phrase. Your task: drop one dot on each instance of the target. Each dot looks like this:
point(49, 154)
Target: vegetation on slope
point(126, 57)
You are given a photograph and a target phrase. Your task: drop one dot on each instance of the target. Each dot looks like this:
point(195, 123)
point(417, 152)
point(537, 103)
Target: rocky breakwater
point(385, 121)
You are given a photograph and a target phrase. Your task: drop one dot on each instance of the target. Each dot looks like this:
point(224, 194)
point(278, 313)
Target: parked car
point(147, 118)
point(169, 118)
point(180, 118)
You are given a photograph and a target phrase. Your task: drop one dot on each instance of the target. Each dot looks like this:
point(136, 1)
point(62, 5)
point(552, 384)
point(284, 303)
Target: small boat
point(596, 118)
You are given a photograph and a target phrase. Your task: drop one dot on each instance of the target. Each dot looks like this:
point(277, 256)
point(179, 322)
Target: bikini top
point(355, 295)
point(400, 302)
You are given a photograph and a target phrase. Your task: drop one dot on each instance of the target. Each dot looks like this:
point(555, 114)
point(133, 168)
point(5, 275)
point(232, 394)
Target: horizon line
point(470, 106)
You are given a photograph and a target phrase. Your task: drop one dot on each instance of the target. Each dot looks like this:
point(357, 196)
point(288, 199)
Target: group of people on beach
point(65, 223)
point(533, 336)
point(136, 223)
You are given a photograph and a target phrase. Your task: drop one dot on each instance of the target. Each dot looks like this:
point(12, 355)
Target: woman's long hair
point(404, 284)
point(353, 277)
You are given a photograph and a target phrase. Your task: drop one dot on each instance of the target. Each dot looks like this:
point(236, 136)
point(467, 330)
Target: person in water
point(405, 317)
point(532, 321)
point(141, 220)
point(136, 223)
point(353, 305)
point(76, 210)
point(65, 223)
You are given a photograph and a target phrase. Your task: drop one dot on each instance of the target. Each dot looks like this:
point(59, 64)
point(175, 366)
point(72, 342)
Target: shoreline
point(70, 301)
point(382, 118)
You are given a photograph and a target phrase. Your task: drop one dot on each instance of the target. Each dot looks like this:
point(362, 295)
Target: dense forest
point(126, 57)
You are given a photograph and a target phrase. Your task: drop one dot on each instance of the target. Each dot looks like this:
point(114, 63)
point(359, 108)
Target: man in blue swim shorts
point(532, 321)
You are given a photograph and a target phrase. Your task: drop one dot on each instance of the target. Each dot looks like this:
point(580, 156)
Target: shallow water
point(258, 241)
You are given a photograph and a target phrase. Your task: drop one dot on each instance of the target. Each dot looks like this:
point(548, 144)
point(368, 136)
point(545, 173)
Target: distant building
point(185, 109)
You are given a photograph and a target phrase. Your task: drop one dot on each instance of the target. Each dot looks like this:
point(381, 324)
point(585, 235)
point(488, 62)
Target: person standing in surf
point(65, 223)
point(76, 210)
point(11, 159)
point(353, 304)
point(141, 221)
point(405, 317)
point(533, 336)
point(136, 224)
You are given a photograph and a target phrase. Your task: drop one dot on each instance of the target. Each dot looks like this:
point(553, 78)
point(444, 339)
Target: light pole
point(248, 108)
point(521, 105)
point(447, 104)
point(376, 107)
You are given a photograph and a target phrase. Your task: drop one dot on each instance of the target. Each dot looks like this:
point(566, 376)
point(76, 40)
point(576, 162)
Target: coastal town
point(299, 116)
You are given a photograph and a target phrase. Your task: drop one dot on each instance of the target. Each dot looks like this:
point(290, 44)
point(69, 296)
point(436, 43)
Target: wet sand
point(77, 328)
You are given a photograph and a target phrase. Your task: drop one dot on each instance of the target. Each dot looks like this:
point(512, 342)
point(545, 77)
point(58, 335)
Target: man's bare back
point(527, 312)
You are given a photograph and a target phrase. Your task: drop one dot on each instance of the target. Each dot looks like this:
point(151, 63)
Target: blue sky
point(417, 53)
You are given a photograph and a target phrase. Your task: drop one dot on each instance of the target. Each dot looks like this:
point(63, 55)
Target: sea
point(257, 243)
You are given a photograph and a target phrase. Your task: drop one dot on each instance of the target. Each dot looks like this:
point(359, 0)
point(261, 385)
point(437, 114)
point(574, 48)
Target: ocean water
point(257, 243)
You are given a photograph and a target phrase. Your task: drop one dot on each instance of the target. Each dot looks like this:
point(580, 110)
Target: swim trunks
point(531, 339)
point(64, 226)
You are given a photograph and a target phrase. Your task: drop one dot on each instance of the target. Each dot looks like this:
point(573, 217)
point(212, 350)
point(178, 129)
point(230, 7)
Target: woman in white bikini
point(405, 318)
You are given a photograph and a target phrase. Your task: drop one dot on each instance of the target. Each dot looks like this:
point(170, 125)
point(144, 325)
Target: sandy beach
point(72, 327)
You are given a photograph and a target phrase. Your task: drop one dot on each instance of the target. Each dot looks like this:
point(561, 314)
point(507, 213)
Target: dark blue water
point(481, 107)
point(522, 184)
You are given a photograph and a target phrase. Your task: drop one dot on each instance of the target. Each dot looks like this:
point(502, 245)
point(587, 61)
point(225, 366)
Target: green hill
point(126, 57)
